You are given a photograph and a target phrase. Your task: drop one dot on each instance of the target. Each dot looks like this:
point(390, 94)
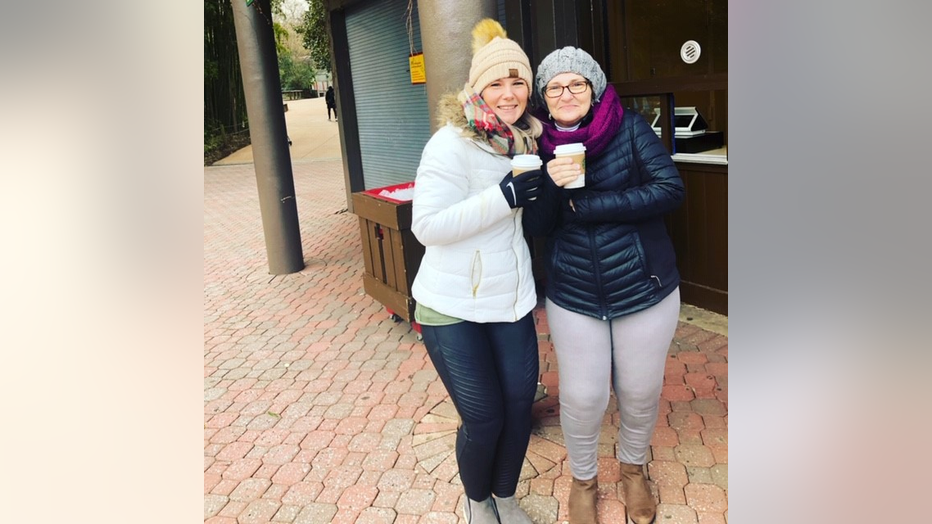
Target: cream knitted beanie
point(495, 56)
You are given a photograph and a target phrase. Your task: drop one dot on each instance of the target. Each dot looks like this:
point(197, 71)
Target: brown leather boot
point(639, 502)
point(583, 496)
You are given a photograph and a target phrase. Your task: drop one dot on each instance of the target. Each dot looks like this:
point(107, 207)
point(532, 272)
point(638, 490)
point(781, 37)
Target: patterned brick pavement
point(319, 408)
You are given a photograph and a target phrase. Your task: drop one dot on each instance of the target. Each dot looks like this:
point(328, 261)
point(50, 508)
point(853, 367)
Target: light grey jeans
point(630, 353)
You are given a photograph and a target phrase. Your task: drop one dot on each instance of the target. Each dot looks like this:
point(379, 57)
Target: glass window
point(647, 106)
point(700, 120)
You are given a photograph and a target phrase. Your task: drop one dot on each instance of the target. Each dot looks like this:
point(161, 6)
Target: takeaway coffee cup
point(577, 152)
point(522, 163)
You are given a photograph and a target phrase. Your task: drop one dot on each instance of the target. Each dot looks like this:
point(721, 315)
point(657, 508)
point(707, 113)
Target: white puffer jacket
point(476, 264)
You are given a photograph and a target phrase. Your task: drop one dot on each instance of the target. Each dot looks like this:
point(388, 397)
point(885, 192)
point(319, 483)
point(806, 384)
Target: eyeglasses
point(574, 88)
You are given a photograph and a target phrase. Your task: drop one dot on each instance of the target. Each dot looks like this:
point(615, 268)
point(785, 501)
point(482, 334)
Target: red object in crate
point(375, 192)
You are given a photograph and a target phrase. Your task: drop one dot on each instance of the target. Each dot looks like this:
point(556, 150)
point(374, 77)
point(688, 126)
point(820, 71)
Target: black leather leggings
point(491, 372)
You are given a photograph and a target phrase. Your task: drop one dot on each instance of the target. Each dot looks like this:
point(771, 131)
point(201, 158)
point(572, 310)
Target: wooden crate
point(391, 253)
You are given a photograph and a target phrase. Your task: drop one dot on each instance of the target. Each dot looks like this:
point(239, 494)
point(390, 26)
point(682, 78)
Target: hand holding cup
point(563, 167)
point(523, 183)
point(522, 163)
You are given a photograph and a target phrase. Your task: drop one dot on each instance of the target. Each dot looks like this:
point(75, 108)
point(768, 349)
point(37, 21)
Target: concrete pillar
point(446, 34)
point(258, 59)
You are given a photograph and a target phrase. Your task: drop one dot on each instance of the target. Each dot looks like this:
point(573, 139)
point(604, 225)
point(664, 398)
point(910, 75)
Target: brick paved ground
point(319, 408)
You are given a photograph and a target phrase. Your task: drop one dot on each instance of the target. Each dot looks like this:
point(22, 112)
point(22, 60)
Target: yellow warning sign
point(416, 62)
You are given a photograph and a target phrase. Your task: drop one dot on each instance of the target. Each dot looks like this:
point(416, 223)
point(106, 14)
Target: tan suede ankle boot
point(639, 502)
point(582, 501)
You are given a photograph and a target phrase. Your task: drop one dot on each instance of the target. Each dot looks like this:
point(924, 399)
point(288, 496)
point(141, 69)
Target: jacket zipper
point(514, 303)
point(476, 261)
point(598, 275)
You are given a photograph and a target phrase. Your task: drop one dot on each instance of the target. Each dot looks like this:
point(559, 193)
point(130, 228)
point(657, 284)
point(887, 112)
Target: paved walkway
point(319, 408)
point(312, 136)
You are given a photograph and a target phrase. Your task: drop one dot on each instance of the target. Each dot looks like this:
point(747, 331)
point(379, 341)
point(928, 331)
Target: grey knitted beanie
point(571, 60)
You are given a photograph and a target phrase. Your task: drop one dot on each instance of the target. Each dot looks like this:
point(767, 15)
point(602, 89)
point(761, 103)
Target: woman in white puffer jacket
point(476, 265)
point(474, 288)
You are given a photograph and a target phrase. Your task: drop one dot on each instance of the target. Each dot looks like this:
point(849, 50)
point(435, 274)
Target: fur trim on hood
point(450, 110)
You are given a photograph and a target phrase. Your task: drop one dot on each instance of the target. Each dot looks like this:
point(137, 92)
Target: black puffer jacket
point(612, 255)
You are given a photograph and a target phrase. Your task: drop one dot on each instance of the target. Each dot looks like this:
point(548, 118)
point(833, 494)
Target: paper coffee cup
point(522, 163)
point(577, 152)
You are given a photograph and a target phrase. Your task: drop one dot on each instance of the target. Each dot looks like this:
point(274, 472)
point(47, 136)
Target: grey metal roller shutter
point(392, 113)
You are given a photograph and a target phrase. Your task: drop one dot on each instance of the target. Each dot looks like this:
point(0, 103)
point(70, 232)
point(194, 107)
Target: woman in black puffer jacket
point(612, 283)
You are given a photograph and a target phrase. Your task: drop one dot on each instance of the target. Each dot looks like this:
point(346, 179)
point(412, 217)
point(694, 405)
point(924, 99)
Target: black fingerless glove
point(521, 189)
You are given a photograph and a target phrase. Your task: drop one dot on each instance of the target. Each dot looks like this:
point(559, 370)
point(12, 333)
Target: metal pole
point(258, 59)
point(446, 34)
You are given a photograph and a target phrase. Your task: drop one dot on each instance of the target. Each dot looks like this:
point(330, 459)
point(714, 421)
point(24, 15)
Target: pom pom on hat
point(484, 32)
point(571, 60)
point(495, 56)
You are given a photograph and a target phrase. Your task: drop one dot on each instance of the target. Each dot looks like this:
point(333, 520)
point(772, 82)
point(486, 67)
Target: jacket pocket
point(649, 279)
point(659, 256)
point(641, 254)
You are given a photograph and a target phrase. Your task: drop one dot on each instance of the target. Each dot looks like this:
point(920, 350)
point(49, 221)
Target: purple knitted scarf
point(606, 119)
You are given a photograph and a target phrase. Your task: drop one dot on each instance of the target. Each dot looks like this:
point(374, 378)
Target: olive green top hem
point(426, 316)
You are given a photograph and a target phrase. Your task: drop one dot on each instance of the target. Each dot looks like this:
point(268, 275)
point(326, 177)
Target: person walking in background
point(612, 291)
point(475, 289)
point(331, 102)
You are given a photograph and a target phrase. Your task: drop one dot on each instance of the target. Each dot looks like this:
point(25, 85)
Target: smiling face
point(507, 97)
point(568, 108)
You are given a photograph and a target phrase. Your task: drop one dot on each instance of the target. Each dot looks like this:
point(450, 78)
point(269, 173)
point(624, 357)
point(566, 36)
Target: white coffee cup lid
point(578, 147)
point(526, 161)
